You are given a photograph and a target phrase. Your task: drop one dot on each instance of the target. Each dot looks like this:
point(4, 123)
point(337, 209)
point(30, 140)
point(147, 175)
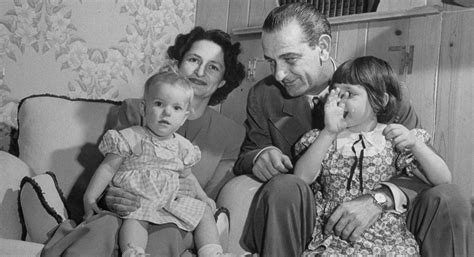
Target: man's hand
point(120, 201)
point(352, 218)
point(270, 163)
point(187, 187)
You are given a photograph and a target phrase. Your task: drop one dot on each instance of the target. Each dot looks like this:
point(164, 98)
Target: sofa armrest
point(237, 196)
point(12, 171)
point(11, 247)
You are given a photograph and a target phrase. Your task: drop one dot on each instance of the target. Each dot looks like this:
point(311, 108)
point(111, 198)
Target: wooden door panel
point(454, 111)
point(425, 36)
point(351, 40)
point(238, 14)
point(235, 104)
point(385, 35)
point(219, 11)
point(259, 10)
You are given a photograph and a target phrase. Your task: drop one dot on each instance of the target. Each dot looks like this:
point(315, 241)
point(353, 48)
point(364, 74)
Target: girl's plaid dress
point(151, 169)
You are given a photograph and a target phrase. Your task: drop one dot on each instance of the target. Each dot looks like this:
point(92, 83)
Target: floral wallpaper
point(45, 48)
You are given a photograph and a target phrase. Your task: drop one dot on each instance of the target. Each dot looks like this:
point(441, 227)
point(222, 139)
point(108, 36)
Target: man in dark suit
point(296, 42)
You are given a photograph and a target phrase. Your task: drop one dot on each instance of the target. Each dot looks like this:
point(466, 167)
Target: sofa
point(56, 148)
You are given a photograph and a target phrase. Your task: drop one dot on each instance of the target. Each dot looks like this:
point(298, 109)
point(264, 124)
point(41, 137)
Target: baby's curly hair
point(234, 70)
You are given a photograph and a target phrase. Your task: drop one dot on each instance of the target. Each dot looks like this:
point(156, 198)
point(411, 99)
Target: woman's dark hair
point(234, 70)
point(378, 78)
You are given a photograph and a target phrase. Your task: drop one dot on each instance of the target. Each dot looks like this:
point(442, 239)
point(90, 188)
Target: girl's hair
point(170, 75)
point(378, 78)
point(234, 70)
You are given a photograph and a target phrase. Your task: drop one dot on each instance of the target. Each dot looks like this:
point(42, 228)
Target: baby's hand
point(334, 110)
point(402, 138)
point(210, 203)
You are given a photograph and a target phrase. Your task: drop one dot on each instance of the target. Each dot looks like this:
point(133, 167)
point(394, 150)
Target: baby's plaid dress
point(151, 169)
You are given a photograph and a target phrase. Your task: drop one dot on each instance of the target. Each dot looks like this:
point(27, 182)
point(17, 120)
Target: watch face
point(380, 198)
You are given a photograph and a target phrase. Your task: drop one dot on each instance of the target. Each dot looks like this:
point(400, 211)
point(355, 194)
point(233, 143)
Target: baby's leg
point(133, 237)
point(206, 236)
point(206, 230)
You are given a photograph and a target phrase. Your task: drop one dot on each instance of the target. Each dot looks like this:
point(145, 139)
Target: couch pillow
point(60, 134)
point(41, 206)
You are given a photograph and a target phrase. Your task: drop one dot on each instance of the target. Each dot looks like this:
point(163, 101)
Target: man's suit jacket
point(274, 119)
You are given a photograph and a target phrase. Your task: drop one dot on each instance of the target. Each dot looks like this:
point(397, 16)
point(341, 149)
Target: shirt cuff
point(399, 198)
point(261, 151)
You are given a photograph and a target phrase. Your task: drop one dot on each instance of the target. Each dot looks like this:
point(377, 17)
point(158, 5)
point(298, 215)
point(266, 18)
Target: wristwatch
point(379, 199)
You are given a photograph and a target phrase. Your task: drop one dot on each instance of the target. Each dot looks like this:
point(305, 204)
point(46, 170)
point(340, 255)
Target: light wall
point(83, 48)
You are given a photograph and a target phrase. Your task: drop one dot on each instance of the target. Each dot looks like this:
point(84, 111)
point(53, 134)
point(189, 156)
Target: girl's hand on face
point(334, 110)
point(402, 138)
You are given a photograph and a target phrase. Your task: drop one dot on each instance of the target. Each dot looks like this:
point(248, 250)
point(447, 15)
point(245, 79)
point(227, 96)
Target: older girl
point(356, 151)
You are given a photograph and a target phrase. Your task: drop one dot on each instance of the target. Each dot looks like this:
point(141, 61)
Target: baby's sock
point(133, 251)
point(215, 250)
point(210, 250)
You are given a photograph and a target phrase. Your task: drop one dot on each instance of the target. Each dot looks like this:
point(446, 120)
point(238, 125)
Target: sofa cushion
point(59, 134)
point(42, 206)
point(9, 247)
point(12, 170)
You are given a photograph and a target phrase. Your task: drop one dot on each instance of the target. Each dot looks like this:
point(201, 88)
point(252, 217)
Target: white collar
point(374, 141)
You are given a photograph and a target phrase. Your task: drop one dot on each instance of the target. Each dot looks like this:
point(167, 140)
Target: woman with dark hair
point(209, 59)
point(234, 70)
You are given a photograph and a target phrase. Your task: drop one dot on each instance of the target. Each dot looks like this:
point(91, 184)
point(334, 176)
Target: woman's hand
point(334, 110)
point(187, 187)
point(120, 201)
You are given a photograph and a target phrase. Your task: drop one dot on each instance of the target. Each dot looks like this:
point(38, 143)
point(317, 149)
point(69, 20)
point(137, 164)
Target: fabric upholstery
point(12, 170)
point(42, 206)
point(237, 197)
point(10, 247)
point(60, 135)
